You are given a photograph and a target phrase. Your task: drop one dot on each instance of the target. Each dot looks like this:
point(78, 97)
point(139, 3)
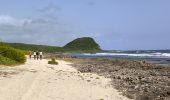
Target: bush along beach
point(53, 61)
point(7, 61)
point(11, 56)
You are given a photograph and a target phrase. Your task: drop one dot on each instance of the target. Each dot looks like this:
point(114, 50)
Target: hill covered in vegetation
point(85, 44)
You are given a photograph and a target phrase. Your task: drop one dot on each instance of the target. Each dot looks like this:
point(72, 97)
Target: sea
point(159, 57)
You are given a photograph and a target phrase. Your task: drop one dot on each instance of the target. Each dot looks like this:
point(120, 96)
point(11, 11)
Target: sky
point(114, 24)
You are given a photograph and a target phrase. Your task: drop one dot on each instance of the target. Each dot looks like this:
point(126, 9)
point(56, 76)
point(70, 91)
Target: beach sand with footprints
point(37, 80)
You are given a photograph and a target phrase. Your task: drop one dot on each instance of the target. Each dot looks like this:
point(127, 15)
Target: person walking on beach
point(41, 55)
point(37, 54)
point(34, 55)
point(30, 54)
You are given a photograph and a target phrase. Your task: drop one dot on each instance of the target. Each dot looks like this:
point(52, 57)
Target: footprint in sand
point(33, 71)
point(4, 76)
point(97, 78)
point(88, 80)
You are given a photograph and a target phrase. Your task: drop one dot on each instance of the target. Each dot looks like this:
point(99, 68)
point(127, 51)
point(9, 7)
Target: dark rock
point(168, 92)
point(143, 97)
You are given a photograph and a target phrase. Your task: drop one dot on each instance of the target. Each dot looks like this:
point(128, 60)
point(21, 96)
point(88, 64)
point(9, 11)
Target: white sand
point(38, 80)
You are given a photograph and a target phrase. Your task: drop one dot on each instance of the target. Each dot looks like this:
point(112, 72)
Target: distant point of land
point(83, 44)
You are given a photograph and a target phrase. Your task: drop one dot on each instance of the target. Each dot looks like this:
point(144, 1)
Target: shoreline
point(137, 80)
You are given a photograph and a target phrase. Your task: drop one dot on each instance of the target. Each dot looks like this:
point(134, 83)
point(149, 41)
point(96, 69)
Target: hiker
point(30, 54)
point(37, 54)
point(41, 55)
point(34, 55)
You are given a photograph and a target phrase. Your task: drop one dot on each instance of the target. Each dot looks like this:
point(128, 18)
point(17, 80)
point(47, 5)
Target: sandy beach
point(37, 80)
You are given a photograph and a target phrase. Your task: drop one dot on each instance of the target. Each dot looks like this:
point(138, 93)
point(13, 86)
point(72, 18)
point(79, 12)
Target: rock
point(143, 79)
point(143, 97)
point(118, 77)
point(168, 93)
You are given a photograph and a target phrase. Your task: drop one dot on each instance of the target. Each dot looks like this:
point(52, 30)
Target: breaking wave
point(129, 54)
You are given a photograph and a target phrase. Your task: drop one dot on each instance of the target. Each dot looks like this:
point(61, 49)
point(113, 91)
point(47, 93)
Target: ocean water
point(156, 57)
point(150, 55)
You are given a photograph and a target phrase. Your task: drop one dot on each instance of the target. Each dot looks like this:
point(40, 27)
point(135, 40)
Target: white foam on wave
point(166, 54)
point(130, 54)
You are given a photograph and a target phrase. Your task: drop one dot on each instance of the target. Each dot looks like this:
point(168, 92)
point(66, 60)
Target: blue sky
point(114, 24)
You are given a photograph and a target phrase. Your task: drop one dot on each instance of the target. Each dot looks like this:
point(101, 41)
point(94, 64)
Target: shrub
point(53, 61)
point(7, 61)
point(25, 52)
point(12, 53)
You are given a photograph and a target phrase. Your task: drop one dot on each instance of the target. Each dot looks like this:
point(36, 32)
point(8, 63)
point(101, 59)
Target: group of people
point(37, 55)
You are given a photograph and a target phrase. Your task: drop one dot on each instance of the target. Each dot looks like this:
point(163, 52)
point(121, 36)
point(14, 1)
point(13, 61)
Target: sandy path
point(37, 80)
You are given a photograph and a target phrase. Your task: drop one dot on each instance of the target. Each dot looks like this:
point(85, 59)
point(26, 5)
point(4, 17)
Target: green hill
point(83, 44)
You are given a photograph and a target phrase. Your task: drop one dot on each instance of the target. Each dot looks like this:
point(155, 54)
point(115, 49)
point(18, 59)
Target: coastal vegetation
point(11, 56)
point(34, 47)
point(85, 44)
point(53, 61)
point(7, 61)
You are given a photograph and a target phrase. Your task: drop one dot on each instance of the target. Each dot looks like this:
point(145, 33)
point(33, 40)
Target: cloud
point(40, 20)
point(37, 31)
point(8, 20)
point(48, 13)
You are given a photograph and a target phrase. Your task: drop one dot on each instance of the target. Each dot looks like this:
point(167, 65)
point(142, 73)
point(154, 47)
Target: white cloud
point(8, 20)
point(40, 30)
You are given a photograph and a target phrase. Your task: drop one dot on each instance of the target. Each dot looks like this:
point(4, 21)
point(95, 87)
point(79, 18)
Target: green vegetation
point(11, 56)
point(53, 62)
point(7, 61)
point(85, 44)
point(33, 47)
